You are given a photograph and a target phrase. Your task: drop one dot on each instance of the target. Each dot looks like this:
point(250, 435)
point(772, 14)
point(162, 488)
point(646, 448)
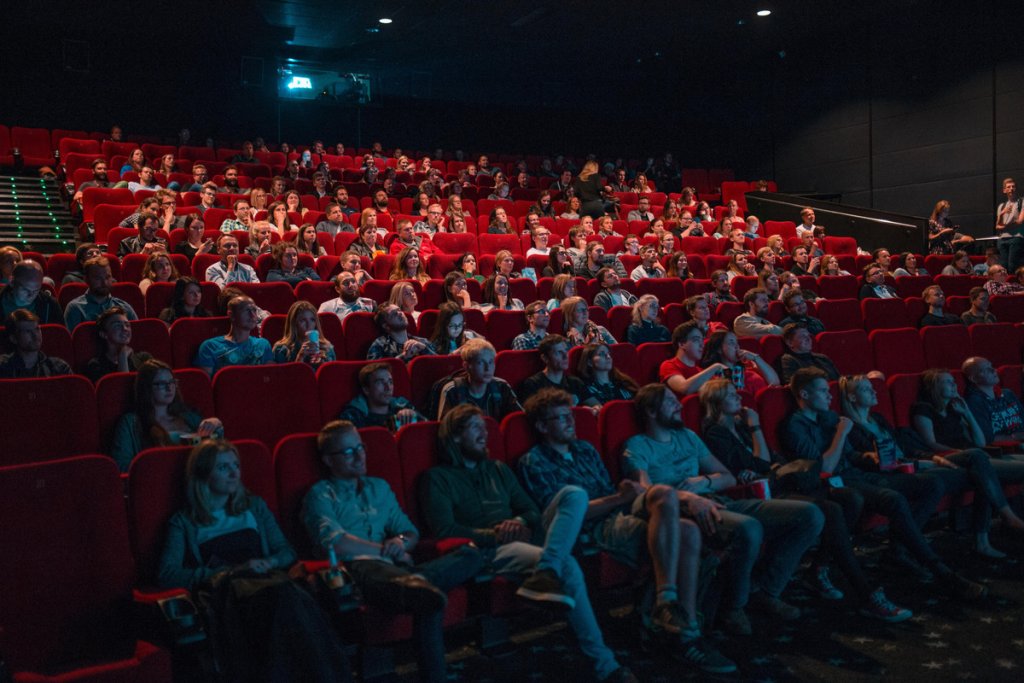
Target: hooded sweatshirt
point(468, 502)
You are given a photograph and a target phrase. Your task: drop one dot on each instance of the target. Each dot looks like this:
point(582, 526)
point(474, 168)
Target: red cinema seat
point(234, 388)
point(668, 289)
point(649, 358)
point(338, 384)
point(840, 245)
point(276, 297)
point(999, 342)
point(67, 601)
point(885, 314)
point(492, 244)
point(1010, 376)
point(946, 346)
point(728, 311)
point(849, 350)
point(839, 314)
point(1008, 309)
point(897, 351)
point(913, 285)
point(57, 342)
point(425, 372)
point(315, 292)
point(187, 334)
point(904, 390)
point(47, 418)
point(838, 287)
point(519, 436)
point(94, 196)
point(958, 285)
point(456, 243)
point(504, 326)
point(359, 331)
point(616, 423)
point(515, 366)
point(148, 334)
point(785, 228)
point(773, 405)
point(34, 145)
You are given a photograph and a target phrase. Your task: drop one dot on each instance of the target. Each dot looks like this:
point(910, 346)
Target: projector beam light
point(384, 20)
point(300, 83)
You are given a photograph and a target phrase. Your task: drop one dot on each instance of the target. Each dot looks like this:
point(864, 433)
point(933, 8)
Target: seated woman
point(908, 266)
point(450, 333)
point(953, 439)
point(159, 268)
point(505, 264)
point(961, 265)
point(747, 370)
point(366, 243)
point(276, 215)
point(225, 536)
point(540, 236)
point(499, 224)
point(768, 280)
point(562, 288)
point(577, 326)
point(699, 311)
point(404, 296)
point(640, 185)
point(407, 266)
point(543, 207)
point(258, 201)
point(194, 242)
point(306, 242)
point(703, 213)
point(466, 264)
point(114, 336)
point(666, 243)
point(739, 264)
point(260, 241)
point(286, 261)
point(455, 290)
point(830, 266)
point(678, 265)
point(769, 260)
point(559, 262)
point(646, 326)
point(457, 225)
point(303, 340)
point(777, 244)
point(733, 435)
point(159, 417)
point(601, 379)
point(495, 296)
point(186, 301)
point(454, 209)
point(572, 209)
point(293, 203)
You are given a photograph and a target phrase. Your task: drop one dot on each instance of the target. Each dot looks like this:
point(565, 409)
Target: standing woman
point(587, 186)
point(303, 340)
point(226, 539)
point(943, 236)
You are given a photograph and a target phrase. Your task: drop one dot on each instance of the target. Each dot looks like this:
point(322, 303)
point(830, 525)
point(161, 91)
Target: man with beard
point(348, 300)
point(377, 405)
point(146, 242)
point(395, 340)
point(99, 179)
point(97, 299)
point(231, 185)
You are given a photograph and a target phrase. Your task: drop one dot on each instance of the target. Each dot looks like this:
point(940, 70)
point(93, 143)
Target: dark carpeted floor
point(945, 641)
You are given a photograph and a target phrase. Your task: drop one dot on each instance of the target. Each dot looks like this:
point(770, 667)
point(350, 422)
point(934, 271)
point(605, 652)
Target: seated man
point(99, 179)
point(334, 221)
point(814, 432)
point(377, 405)
point(803, 263)
point(612, 293)
point(796, 307)
point(978, 313)
point(668, 453)
point(682, 373)
point(406, 237)
point(813, 250)
point(593, 260)
point(352, 262)
point(98, 298)
point(537, 317)
point(356, 519)
point(27, 359)
point(935, 299)
point(874, 284)
point(229, 268)
point(434, 223)
point(999, 285)
point(883, 259)
point(625, 521)
point(650, 266)
point(754, 323)
point(798, 341)
point(146, 242)
point(997, 410)
point(554, 352)
point(146, 181)
point(238, 346)
point(231, 185)
point(478, 387)
point(395, 340)
point(25, 291)
point(643, 210)
point(348, 300)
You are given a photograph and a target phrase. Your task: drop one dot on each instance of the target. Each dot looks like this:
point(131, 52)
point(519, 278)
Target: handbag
point(797, 476)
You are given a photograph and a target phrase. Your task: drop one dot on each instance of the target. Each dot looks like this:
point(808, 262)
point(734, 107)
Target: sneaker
point(965, 588)
point(666, 618)
point(736, 622)
point(879, 607)
point(702, 654)
point(821, 584)
point(774, 606)
point(543, 585)
point(899, 558)
point(621, 675)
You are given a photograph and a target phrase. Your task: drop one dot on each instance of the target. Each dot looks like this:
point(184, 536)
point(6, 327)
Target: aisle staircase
point(33, 217)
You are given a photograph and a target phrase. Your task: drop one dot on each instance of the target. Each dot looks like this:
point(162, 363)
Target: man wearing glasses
point(199, 178)
point(207, 197)
point(357, 519)
point(434, 223)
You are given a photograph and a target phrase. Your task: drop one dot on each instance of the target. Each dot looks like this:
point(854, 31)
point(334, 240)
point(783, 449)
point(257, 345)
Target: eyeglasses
point(349, 453)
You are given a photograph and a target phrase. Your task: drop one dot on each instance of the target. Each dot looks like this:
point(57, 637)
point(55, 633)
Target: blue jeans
point(787, 528)
point(986, 476)
point(562, 520)
point(1011, 252)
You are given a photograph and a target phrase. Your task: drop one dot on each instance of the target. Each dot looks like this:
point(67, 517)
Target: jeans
point(375, 578)
point(787, 528)
point(1011, 252)
point(902, 525)
point(986, 476)
point(922, 491)
point(562, 520)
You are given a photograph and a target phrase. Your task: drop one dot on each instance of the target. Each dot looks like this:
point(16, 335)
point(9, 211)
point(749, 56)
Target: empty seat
point(885, 314)
point(1008, 309)
point(187, 334)
point(359, 333)
point(515, 366)
point(838, 287)
point(235, 387)
point(840, 314)
point(903, 392)
point(276, 297)
point(425, 371)
point(945, 346)
point(849, 350)
point(897, 351)
point(616, 423)
point(34, 145)
point(912, 285)
point(999, 342)
point(649, 358)
point(68, 575)
point(47, 418)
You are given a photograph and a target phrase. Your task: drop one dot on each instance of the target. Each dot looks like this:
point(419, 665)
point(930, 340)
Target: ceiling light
point(763, 12)
point(384, 20)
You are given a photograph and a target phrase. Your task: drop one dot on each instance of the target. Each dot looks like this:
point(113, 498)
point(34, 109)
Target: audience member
point(996, 409)
point(935, 300)
point(158, 268)
point(238, 346)
point(754, 323)
point(25, 292)
point(334, 221)
point(554, 353)
point(495, 295)
point(602, 381)
point(720, 291)
point(998, 285)
point(683, 373)
point(395, 340)
point(646, 325)
point(874, 284)
point(261, 240)
point(796, 307)
point(114, 353)
point(408, 266)
point(806, 222)
point(186, 301)
point(403, 295)
point(90, 305)
point(577, 326)
point(27, 358)
point(611, 293)
point(287, 269)
point(147, 241)
point(798, 341)
point(478, 386)
point(908, 266)
point(978, 312)
point(649, 266)
point(747, 370)
point(229, 269)
point(303, 339)
point(450, 331)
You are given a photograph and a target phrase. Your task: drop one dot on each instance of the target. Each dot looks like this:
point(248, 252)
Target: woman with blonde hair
point(563, 287)
point(588, 188)
point(768, 280)
point(159, 268)
point(646, 327)
point(777, 245)
point(830, 265)
point(260, 240)
point(404, 296)
point(258, 200)
point(408, 266)
point(578, 327)
point(303, 339)
point(572, 209)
